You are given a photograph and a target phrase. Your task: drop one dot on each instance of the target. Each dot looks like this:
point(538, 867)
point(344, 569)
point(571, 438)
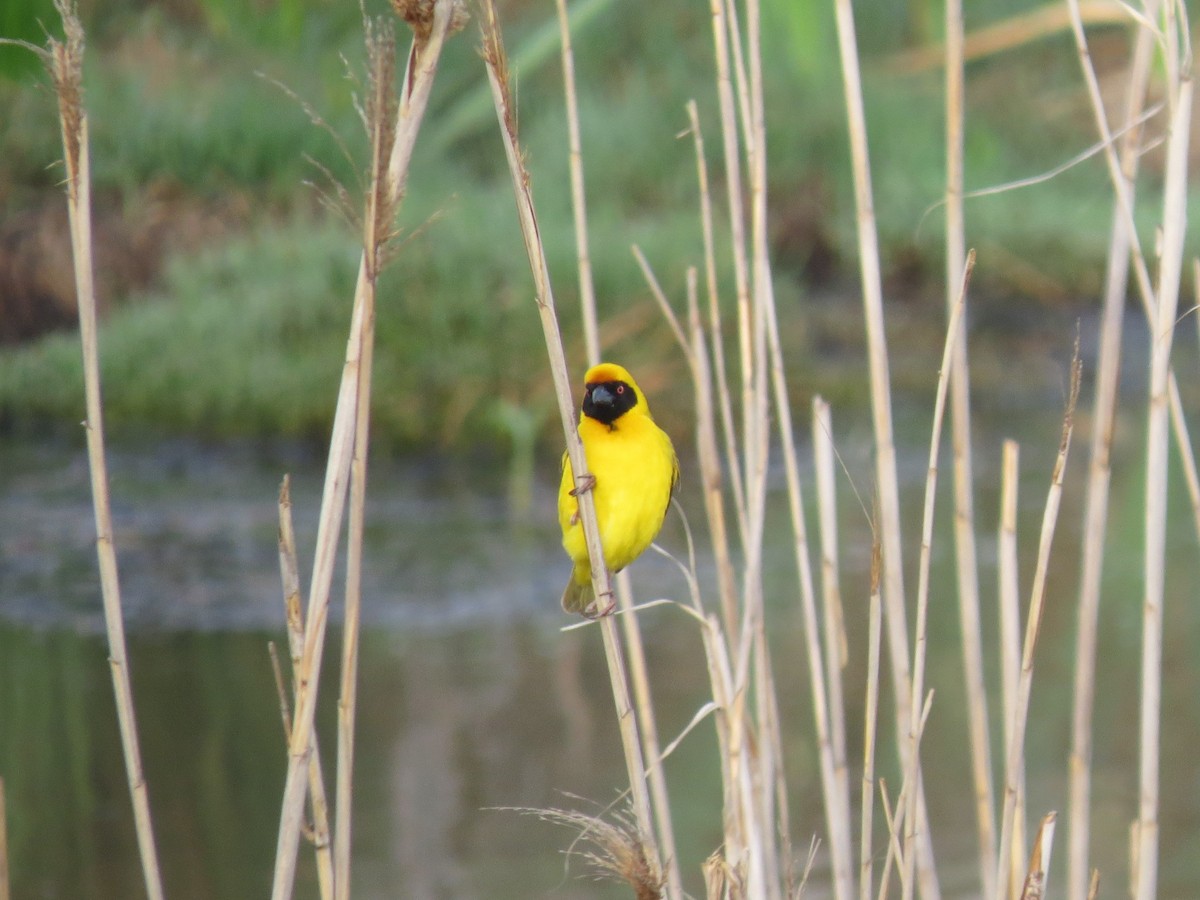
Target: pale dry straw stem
point(417, 82)
point(833, 617)
point(497, 71)
point(1020, 712)
point(648, 728)
point(913, 772)
point(1124, 195)
point(728, 590)
point(898, 854)
point(1157, 440)
point(1099, 476)
point(1010, 629)
point(377, 228)
point(624, 587)
point(881, 411)
point(965, 556)
point(894, 851)
point(290, 577)
point(727, 587)
point(833, 629)
point(870, 729)
point(737, 222)
point(65, 63)
point(735, 818)
point(1038, 877)
point(741, 78)
point(707, 454)
point(834, 777)
point(770, 380)
point(587, 288)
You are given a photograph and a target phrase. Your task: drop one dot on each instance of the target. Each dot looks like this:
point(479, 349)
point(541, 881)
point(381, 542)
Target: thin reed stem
point(377, 227)
point(1010, 632)
point(1020, 711)
point(965, 556)
point(871, 720)
point(726, 585)
point(1037, 878)
point(624, 587)
point(587, 288)
point(881, 411)
point(290, 576)
point(737, 218)
point(836, 651)
point(65, 63)
point(1157, 445)
point(496, 64)
point(1095, 519)
point(913, 772)
point(417, 82)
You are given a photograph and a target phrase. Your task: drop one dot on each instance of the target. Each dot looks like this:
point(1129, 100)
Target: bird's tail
point(578, 595)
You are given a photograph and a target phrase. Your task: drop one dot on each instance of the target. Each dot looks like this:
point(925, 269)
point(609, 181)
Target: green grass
point(248, 336)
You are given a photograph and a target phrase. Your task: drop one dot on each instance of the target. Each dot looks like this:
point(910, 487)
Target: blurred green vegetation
point(246, 335)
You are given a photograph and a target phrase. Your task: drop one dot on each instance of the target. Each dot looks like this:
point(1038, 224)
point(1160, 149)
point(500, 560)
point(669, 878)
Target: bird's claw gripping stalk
point(583, 484)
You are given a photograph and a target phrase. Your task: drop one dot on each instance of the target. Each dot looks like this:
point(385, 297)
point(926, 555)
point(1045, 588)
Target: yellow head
point(610, 392)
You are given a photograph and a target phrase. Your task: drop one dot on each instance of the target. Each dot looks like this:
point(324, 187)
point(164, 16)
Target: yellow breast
point(635, 468)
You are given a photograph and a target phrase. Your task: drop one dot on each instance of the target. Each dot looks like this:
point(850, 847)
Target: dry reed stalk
point(871, 718)
point(752, 677)
point(1099, 477)
point(737, 220)
point(713, 478)
point(913, 774)
point(1123, 191)
point(377, 229)
point(290, 576)
point(5, 886)
point(636, 653)
point(965, 557)
point(746, 777)
point(1034, 887)
point(715, 645)
point(881, 410)
point(1010, 630)
point(834, 776)
point(891, 818)
point(1015, 729)
point(1011, 33)
point(431, 24)
point(587, 288)
point(496, 63)
point(1157, 445)
point(896, 819)
point(64, 61)
point(832, 615)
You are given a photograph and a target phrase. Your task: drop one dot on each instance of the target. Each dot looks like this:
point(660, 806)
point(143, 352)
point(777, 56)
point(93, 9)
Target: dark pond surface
point(471, 699)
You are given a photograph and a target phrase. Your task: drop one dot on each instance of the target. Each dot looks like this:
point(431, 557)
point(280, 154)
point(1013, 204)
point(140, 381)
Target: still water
point(472, 701)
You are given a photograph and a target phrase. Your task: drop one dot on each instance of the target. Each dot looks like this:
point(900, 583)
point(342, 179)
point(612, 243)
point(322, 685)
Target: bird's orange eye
point(620, 388)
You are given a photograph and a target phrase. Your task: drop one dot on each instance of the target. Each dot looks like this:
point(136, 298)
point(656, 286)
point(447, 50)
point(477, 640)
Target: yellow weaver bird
point(634, 470)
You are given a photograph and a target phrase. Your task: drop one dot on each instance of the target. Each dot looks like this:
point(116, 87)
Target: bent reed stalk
point(64, 62)
point(496, 63)
point(393, 135)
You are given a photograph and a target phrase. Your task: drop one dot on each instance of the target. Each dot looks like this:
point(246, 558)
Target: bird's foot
point(595, 611)
point(583, 484)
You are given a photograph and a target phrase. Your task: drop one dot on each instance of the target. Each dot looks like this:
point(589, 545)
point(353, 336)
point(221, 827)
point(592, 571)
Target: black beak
point(603, 397)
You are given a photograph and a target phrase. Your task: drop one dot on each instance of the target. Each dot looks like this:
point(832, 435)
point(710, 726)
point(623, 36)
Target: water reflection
point(471, 700)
